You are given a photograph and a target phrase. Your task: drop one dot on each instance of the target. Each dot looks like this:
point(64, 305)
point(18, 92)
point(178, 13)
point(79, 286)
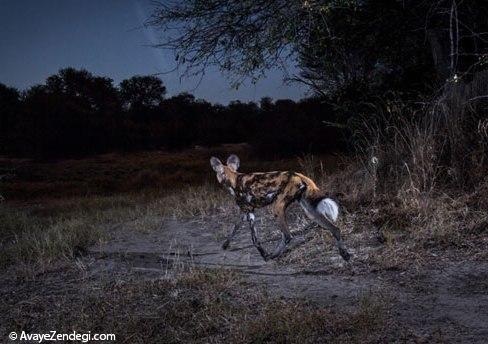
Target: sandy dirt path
point(447, 300)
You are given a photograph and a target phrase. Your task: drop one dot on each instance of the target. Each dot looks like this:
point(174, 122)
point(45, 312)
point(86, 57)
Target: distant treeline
point(76, 113)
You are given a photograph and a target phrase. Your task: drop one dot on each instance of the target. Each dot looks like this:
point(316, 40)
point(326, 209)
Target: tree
point(84, 89)
point(142, 92)
point(357, 52)
point(9, 106)
point(72, 113)
point(266, 103)
point(10, 112)
point(337, 42)
point(240, 37)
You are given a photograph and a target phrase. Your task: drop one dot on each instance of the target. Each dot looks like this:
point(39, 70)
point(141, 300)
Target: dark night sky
point(37, 38)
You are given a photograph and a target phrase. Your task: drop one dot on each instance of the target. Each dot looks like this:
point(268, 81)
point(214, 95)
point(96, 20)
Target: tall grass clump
point(312, 167)
point(426, 162)
point(418, 149)
point(400, 150)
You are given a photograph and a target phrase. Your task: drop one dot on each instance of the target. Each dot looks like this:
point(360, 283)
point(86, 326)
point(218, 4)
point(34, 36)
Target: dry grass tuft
point(32, 243)
point(196, 201)
point(293, 322)
point(197, 306)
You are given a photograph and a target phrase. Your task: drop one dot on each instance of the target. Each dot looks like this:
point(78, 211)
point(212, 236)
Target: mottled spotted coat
point(277, 189)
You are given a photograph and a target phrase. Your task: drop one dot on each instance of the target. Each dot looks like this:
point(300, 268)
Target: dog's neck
point(231, 178)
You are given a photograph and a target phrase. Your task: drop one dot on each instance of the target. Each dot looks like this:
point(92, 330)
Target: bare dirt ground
point(443, 299)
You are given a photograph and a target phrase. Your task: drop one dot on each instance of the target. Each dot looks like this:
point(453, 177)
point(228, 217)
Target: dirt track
point(447, 300)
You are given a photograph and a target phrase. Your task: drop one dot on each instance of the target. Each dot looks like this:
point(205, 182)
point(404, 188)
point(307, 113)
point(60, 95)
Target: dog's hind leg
point(280, 213)
point(325, 223)
point(336, 232)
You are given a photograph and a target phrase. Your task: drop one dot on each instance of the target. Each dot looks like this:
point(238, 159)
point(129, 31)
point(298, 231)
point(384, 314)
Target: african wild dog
point(278, 189)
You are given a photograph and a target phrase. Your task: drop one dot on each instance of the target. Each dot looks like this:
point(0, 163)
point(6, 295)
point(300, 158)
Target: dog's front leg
point(234, 231)
point(255, 240)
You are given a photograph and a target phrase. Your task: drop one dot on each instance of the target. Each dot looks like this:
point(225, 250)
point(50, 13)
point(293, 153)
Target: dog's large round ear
point(216, 164)
point(233, 162)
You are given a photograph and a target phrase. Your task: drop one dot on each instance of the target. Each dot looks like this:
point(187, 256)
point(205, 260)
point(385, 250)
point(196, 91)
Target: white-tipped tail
point(328, 208)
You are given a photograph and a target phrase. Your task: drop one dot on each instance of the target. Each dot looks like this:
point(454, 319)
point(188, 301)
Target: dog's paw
point(225, 245)
point(344, 254)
